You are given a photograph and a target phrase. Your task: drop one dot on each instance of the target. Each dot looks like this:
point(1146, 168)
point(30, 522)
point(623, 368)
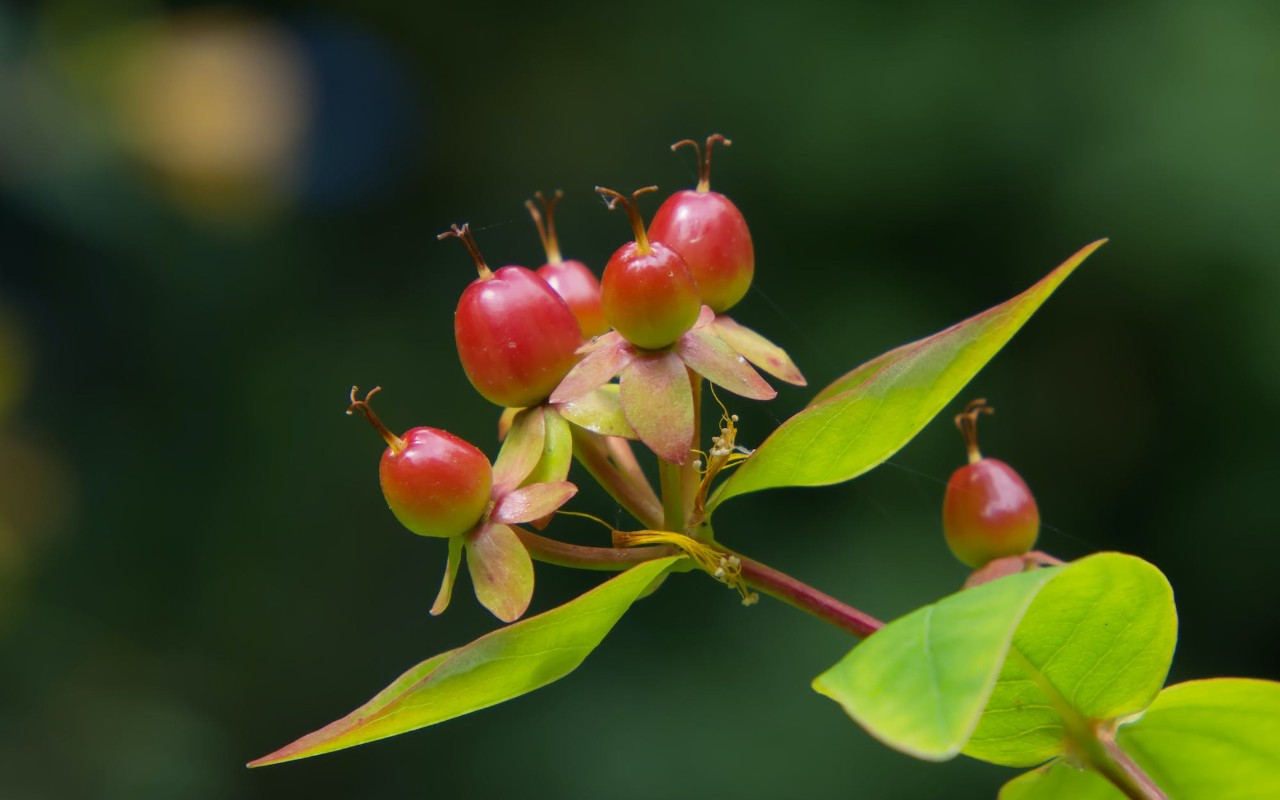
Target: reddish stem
point(547, 230)
point(637, 224)
point(806, 598)
point(464, 233)
point(704, 158)
point(394, 442)
point(967, 422)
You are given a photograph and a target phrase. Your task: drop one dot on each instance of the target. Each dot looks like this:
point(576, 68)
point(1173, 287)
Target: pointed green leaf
point(709, 356)
point(1059, 781)
point(507, 663)
point(501, 571)
point(855, 430)
point(557, 450)
point(450, 576)
point(859, 374)
point(521, 450)
point(1211, 738)
point(1094, 645)
point(599, 411)
point(919, 684)
point(759, 351)
point(658, 402)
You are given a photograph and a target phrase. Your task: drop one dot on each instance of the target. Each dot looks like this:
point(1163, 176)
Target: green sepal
point(450, 576)
point(599, 411)
point(658, 402)
point(758, 350)
point(557, 450)
point(712, 358)
point(501, 570)
point(521, 450)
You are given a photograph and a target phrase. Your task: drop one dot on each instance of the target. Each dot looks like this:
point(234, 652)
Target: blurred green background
point(215, 219)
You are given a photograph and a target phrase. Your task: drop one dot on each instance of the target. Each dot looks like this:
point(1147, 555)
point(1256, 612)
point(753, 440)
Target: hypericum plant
point(1034, 664)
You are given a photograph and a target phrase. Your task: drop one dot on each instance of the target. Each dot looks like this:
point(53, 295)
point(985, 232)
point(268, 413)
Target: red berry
point(647, 292)
point(570, 279)
point(988, 511)
point(710, 232)
point(435, 483)
point(516, 337)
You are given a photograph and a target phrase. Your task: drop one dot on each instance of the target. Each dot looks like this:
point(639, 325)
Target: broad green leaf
point(856, 376)
point(501, 570)
point(1094, 645)
point(499, 666)
point(557, 450)
point(852, 431)
point(1217, 739)
point(920, 683)
point(1059, 781)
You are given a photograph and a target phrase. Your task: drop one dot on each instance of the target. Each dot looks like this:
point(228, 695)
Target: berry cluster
point(546, 346)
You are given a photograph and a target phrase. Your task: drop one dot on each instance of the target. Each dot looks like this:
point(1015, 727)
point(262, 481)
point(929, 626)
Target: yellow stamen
point(722, 566)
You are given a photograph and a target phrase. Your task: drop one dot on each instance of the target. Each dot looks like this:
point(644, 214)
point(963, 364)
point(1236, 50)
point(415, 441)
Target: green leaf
point(1211, 738)
point(501, 570)
point(1057, 781)
point(854, 430)
point(497, 667)
point(1094, 645)
point(920, 683)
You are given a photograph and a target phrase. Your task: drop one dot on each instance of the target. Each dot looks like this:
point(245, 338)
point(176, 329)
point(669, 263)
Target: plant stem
point(689, 476)
point(758, 576)
point(1116, 766)
point(671, 483)
point(627, 486)
point(578, 556)
point(808, 599)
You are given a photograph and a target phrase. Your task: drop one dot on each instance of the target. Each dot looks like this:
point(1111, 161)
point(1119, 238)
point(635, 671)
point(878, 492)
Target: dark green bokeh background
point(198, 567)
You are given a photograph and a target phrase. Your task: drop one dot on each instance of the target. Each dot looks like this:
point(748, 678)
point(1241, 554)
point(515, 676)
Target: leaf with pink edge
point(759, 351)
point(709, 356)
point(497, 667)
point(501, 571)
point(532, 502)
point(857, 429)
point(658, 402)
point(606, 358)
